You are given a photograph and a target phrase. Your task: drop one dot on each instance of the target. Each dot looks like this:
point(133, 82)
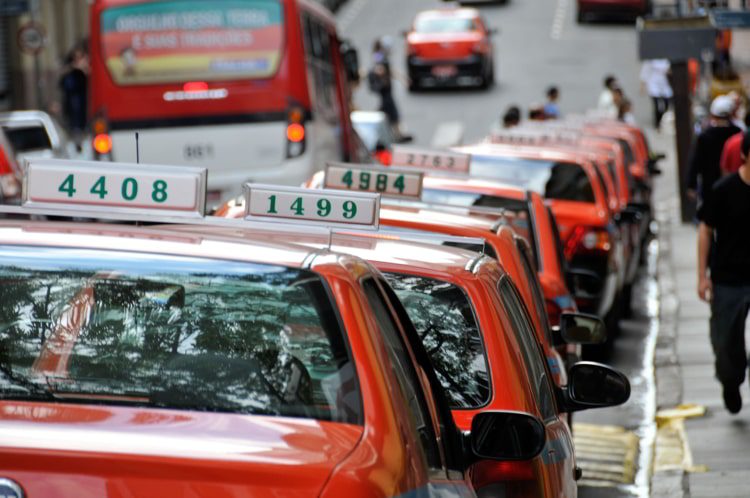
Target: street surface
point(540, 45)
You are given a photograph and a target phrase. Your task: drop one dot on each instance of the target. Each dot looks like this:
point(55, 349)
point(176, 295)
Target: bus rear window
point(181, 40)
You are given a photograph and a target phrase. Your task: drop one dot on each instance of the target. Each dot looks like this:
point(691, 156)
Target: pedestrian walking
point(74, 86)
point(536, 112)
point(655, 81)
point(724, 238)
point(606, 100)
point(551, 107)
point(380, 81)
point(704, 168)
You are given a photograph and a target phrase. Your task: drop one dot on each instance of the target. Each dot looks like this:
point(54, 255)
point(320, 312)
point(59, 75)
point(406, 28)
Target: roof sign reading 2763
point(438, 160)
point(300, 205)
point(389, 182)
point(81, 185)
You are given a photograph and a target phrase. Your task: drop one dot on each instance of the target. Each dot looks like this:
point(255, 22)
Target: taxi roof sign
point(430, 159)
point(388, 182)
point(535, 136)
point(326, 207)
point(97, 188)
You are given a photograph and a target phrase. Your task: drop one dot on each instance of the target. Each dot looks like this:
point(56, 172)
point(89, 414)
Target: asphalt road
point(539, 44)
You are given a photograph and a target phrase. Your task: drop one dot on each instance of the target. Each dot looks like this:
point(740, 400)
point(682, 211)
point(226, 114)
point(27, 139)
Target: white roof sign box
point(95, 188)
point(435, 160)
point(389, 182)
point(332, 208)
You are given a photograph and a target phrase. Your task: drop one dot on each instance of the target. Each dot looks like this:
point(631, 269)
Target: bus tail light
point(102, 141)
point(295, 132)
point(102, 144)
point(587, 240)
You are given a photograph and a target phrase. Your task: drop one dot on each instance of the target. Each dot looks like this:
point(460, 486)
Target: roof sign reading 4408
point(301, 205)
point(83, 185)
point(389, 182)
point(449, 161)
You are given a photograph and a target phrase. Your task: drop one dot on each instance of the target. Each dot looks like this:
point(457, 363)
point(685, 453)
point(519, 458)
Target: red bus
point(254, 90)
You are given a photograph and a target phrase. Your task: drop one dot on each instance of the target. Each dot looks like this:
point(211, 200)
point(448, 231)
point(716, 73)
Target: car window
point(28, 138)
point(443, 24)
point(445, 321)
point(552, 179)
point(627, 151)
point(606, 187)
point(533, 357)
point(406, 374)
point(515, 213)
point(172, 332)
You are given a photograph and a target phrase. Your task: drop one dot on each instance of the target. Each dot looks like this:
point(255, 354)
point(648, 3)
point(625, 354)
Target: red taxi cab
point(579, 202)
point(450, 46)
point(481, 342)
point(152, 361)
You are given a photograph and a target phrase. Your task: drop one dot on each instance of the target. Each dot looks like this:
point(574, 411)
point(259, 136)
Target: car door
point(437, 436)
point(558, 456)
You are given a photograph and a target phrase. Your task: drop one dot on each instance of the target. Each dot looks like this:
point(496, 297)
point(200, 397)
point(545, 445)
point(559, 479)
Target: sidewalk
point(711, 457)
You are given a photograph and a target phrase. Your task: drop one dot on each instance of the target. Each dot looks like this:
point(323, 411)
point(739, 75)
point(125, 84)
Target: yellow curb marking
point(606, 454)
point(672, 449)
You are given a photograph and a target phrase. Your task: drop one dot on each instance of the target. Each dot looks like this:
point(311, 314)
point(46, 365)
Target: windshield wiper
point(34, 389)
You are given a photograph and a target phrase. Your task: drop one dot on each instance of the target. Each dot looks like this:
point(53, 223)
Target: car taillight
point(295, 132)
point(102, 144)
point(5, 166)
point(587, 240)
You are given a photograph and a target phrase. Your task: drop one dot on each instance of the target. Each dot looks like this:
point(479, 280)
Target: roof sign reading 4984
point(116, 187)
point(389, 182)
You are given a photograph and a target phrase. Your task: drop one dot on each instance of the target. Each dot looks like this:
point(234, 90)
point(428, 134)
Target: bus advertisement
point(253, 90)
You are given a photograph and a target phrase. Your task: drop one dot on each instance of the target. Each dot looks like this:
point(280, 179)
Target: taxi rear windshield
point(173, 41)
point(552, 179)
point(511, 212)
point(444, 320)
point(443, 25)
point(167, 332)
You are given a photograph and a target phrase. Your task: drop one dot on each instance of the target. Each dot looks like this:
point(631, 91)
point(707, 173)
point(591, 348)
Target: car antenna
point(137, 150)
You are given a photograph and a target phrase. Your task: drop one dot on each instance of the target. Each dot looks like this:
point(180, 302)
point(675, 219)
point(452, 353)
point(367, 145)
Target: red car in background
point(450, 46)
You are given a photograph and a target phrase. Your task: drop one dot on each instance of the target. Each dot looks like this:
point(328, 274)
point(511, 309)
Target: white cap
point(723, 106)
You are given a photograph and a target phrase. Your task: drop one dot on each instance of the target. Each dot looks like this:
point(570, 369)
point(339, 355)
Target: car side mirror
point(628, 215)
point(586, 283)
point(593, 385)
point(581, 328)
point(506, 435)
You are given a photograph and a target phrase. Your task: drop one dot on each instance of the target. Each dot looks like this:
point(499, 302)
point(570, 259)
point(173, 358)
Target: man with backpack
point(379, 80)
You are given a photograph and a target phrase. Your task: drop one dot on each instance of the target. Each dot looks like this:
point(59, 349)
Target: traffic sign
point(32, 38)
point(730, 19)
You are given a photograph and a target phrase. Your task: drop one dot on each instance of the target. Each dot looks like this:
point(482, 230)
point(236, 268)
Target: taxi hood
point(86, 451)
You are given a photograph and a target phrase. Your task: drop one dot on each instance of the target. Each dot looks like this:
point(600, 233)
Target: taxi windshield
point(443, 24)
point(171, 332)
point(444, 320)
point(559, 180)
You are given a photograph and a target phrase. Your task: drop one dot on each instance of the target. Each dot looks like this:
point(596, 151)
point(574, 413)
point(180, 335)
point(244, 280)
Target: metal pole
point(683, 133)
point(35, 15)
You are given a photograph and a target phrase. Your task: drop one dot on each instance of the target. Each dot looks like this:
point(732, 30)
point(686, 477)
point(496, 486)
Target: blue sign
point(13, 7)
point(729, 19)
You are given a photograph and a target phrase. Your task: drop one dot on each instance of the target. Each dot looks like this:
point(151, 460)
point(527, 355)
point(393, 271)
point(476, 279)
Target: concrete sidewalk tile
point(723, 484)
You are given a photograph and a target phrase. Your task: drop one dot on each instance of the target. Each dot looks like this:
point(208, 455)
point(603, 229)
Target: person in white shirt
point(655, 81)
point(606, 98)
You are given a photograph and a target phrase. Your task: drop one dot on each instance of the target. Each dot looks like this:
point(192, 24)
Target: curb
point(670, 482)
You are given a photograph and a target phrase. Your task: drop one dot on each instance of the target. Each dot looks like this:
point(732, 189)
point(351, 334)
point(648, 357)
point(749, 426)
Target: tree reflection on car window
point(181, 333)
point(444, 320)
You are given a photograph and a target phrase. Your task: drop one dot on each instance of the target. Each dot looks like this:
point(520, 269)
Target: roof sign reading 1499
point(389, 182)
point(301, 205)
point(81, 185)
point(439, 160)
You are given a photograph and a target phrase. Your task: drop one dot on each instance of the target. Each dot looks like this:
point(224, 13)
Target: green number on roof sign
point(160, 191)
point(129, 189)
point(99, 188)
point(350, 210)
point(297, 207)
point(347, 179)
point(67, 186)
point(399, 184)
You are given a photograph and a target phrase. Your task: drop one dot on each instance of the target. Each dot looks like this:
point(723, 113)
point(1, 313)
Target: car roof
point(163, 240)
point(546, 151)
point(432, 215)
